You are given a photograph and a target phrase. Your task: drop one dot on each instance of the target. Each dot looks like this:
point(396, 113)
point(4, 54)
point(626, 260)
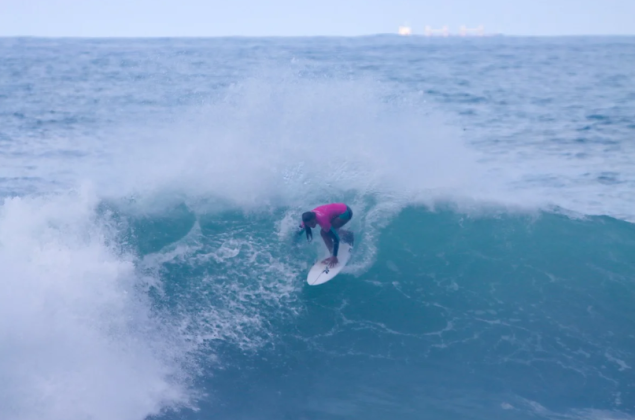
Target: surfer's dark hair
point(307, 217)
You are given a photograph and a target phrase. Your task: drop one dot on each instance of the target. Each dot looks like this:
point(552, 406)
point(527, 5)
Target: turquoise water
point(151, 190)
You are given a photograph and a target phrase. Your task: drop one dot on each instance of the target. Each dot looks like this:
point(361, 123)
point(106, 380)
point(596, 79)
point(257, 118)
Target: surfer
point(330, 217)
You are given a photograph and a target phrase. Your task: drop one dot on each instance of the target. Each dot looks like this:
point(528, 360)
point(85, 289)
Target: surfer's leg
point(338, 223)
point(342, 219)
point(327, 240)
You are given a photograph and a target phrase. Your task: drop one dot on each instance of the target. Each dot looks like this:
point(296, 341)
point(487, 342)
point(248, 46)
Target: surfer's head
point(308, 221)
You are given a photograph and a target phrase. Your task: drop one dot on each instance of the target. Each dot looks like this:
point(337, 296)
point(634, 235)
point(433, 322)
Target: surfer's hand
point(331, 261)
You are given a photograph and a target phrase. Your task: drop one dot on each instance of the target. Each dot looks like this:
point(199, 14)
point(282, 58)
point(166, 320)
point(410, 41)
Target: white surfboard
point(321, 273)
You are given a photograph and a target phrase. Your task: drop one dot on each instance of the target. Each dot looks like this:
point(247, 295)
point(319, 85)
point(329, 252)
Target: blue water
point(151, 190)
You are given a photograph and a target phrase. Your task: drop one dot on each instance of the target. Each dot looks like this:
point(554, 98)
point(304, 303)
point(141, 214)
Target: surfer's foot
point(330, 261)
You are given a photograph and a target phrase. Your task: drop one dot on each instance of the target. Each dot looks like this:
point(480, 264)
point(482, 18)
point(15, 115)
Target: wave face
point(151, 191)
point(505, 316)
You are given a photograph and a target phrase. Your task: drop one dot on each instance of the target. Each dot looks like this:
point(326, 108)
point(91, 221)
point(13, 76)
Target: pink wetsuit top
point(324, 214)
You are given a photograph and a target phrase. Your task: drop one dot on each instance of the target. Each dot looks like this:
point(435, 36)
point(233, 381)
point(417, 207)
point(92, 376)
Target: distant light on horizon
point(405, 30)
point(445, 31)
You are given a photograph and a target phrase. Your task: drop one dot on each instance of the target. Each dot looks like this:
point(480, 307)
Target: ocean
point(151, 190)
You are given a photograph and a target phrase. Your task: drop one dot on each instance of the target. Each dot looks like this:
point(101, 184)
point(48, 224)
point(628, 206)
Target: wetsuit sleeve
point(336, 241)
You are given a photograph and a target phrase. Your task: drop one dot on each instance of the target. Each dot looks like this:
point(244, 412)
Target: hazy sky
point(314, 17)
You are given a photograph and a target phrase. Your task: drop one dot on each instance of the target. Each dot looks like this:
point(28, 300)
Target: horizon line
point(492, 35)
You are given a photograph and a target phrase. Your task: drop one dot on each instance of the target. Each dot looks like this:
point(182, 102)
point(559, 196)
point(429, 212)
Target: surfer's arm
point(336, 240)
